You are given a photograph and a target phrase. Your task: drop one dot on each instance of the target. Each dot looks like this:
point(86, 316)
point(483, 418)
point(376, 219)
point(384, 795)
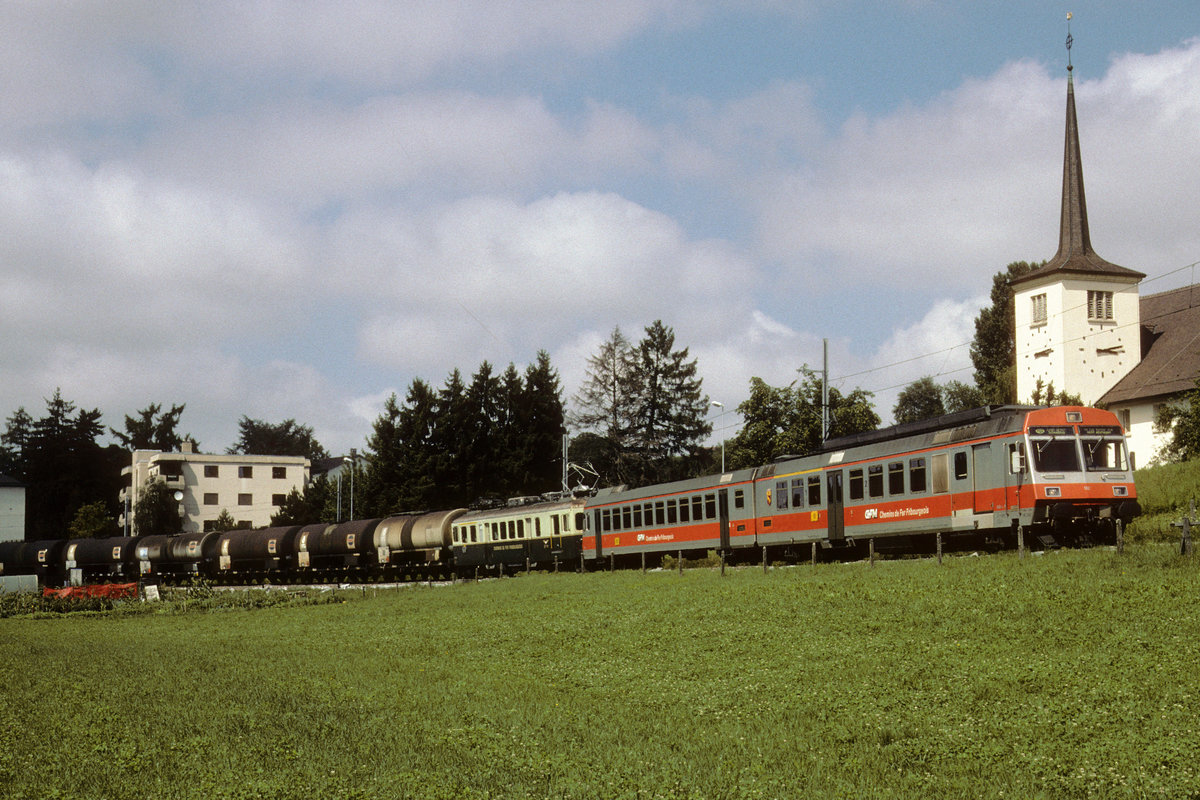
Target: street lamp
point(721, 406)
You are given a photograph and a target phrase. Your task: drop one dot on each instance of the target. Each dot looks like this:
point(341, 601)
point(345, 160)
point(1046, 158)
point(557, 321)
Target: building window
point(278, 499)
point(1039, 309)
point(279, 473)
point(245, 499)
point(210, 499)
point(210, 470)
point(1100, 305)
point(245, 472)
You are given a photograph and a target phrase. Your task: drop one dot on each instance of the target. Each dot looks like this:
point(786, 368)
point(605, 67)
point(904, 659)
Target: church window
point(1039, 309)
point(1100, 305)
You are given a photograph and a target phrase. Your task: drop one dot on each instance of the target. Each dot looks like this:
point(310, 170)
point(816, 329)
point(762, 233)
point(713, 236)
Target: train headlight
point(1120, 491)
point(1053, 491)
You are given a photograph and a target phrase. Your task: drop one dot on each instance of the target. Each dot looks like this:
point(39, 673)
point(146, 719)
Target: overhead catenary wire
point(948, 350)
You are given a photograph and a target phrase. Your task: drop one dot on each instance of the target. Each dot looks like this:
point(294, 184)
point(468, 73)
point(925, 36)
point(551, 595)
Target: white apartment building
point(12, 509)
point(250, 488)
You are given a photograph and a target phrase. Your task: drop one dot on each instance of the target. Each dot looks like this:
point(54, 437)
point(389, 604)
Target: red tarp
point(114, 591)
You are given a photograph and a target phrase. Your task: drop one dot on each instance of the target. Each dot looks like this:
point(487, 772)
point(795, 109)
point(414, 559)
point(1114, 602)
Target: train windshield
point(1054, 449)
point(1103, 449)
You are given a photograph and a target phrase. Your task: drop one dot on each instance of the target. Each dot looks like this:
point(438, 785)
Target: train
point(984, 478)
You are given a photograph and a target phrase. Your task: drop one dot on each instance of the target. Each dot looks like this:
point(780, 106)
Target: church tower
point(1077, 317)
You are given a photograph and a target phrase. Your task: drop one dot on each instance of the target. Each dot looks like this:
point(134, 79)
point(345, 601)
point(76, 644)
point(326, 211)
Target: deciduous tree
point(287, 438)
point(993, 350)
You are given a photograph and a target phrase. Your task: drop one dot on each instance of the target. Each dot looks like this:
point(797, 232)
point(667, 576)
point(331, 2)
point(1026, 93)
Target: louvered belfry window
point(1100, 305)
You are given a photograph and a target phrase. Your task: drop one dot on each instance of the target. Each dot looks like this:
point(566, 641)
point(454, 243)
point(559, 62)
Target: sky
point(293, 210)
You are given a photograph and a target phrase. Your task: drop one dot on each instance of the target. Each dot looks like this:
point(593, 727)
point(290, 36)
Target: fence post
point(939, 548)
point(814, 554)
point(764, 559)
point(722, 563)
point(679, 557)
point(871, 545)
point(643, 562)
point(1120, 528)
point(1185, 546)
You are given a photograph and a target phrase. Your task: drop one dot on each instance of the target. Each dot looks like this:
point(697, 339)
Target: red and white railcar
point(1061, 474)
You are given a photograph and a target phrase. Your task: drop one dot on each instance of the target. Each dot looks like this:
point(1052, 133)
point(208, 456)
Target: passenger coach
point(978, 478)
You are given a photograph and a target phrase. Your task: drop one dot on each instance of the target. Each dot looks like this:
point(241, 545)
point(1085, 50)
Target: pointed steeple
point(1075, 253)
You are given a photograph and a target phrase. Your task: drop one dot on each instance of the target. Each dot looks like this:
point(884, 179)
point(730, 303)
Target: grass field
point(1073, 674)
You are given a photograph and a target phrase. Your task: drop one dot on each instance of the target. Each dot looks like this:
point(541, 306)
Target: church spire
point(1075, 253)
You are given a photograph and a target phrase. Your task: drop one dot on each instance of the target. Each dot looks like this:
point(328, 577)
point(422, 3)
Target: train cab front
point(1082, 479)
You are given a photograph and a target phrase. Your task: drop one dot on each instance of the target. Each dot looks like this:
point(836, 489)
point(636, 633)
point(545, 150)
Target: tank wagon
point(980, 478)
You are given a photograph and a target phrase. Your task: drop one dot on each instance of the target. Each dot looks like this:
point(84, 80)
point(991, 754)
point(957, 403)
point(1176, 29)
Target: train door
point(723, 517)
point(980, 460)
point(597, 533)
point(835, 511)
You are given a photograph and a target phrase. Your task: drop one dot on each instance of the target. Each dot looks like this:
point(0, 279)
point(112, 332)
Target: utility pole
point(825, 390)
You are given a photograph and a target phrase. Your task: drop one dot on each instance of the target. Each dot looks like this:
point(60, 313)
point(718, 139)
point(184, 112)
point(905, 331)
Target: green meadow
point(1064, 675)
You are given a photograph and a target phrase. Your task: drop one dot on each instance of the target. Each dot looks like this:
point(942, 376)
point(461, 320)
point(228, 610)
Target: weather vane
point(1070, 41)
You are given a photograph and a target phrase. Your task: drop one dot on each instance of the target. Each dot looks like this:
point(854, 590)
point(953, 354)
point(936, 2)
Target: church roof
point(1171, 362)
point(1075, 253)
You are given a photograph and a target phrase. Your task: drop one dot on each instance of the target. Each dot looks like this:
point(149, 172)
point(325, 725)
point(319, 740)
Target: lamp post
point(353, 469)
point(721, 406)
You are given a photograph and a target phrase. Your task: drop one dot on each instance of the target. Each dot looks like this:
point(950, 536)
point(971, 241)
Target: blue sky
point(292, 210)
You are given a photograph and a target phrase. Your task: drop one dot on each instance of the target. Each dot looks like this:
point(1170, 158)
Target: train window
point(627, 517)
point(781, 494)
point(660, 516)
point(896, 477)
point(710, 506)
point(672, 517)
point(606, 520)
point(473, 536)
point(683, 510)
point(697, 508)
point(457, 532)
point(648, 514)
point(580, 520)
point(814, 490)
point(637, 516)
point(554, 528)
point(856, 484)
point(875, 480)
point(941, 472)
point(960, 465)
point(916, 475)
point(739, 498)
point(1056, 454)
point(797, 492)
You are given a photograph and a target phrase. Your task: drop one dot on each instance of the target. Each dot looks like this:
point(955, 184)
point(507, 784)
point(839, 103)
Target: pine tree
point(670, 407)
